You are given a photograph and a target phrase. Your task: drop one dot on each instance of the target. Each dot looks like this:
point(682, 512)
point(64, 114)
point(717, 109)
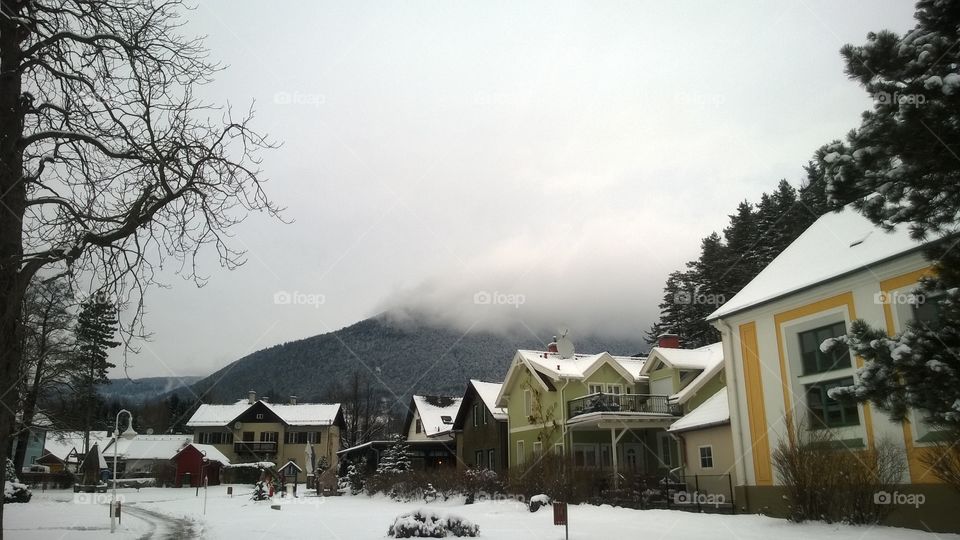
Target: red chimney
point(552, 346)
point(668, 341)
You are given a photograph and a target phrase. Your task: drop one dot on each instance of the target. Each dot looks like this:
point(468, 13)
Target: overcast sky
point(568, 154)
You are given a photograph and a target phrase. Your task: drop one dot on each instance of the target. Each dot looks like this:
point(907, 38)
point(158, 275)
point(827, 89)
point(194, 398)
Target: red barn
point(194, 461)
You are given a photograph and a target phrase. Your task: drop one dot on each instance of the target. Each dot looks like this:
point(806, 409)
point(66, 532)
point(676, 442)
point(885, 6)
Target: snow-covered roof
point(580, 366)
point(437, 413)
point(209, 451)
point(149, 446)
point(714, 411)
point(60, 443)
point(701, 358)
point(697, 383)
point(488, 393)
point(301, 414)
point(836, 244)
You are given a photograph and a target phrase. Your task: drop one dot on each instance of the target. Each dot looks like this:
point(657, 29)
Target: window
point(269, 436)
point(928, 311)
point(491, 459)
point(826, 411)
point(665, 445)
point(259, 416)
point(478, 458)
point(528, 402)
point(816, 361)
point(615, 389)
point(706, 457)
point(296, 437)
point(595, 388)
point(215, 437)
point(558, 449)
point(537, 448)
point(419, 426)
point(313, 437)
point(446, 419)
point(476, 415)
point(520, 453)
point(248, 435)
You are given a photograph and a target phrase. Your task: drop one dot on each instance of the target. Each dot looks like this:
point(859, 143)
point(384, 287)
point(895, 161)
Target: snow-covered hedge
point(538, 501)
point(13, 490)
point(427, 524)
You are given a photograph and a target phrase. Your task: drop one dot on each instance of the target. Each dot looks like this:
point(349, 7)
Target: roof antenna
point(564, 345)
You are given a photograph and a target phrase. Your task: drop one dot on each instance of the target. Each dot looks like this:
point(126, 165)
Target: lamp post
point(128, 434)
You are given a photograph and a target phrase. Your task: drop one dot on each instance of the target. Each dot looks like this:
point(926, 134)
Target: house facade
point(253, 430)
point(481, 428)
point(778, 378)
point(594, 410)
point(428, 429)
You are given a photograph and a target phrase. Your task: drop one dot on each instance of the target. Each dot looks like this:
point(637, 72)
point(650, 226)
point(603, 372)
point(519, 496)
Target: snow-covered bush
point(427, 524)
point(353, 479)
point(396, 458)
point(538, 501)
point(13, 490)
point(261, 491)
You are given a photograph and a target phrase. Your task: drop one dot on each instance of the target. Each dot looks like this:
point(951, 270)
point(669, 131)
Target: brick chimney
point(552, 346)
point(668, 341)
point(293, 400)
point(251, 397)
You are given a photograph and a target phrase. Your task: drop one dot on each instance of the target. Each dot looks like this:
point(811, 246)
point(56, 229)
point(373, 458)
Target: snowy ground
point(178, 513)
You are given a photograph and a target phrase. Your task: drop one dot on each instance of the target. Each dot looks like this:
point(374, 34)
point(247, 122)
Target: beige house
point(252, 430)
point(706, 442)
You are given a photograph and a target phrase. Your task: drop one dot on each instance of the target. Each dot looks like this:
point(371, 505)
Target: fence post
point(696, 491)
point(733, 501)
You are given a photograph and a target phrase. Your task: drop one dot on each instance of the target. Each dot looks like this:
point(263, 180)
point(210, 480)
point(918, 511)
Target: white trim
point(521, 453)
point(713, 460)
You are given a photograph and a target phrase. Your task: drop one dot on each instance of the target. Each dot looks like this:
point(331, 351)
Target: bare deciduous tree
point(109, 163)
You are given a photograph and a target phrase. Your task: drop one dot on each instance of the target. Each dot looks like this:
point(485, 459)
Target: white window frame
point(558, 449)
point(537, 448)
point(700, 456)
point(478, 458)
point(595, 388)
point(521, 454)
point(476, 415)
point(528, 402)
point(491, 459)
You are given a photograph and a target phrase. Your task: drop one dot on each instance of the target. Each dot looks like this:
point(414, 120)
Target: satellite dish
point(564, 345)
point(149, 431)
point(237, 425)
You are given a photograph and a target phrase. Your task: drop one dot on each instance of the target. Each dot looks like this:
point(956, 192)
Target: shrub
point(943, 459)
point(538, 501)
point(435, 484)
point(553, 476)
point(426, 524)
point(13, 490)
point(826, 481)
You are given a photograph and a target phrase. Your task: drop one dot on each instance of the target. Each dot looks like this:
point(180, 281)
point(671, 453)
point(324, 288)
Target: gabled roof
point(436, 414)
point(208, 451)
point(60, 443)
point(837, 244)
point(149, 446)
point(687, 359)
point(715, 411)
point(301, 414)
point(486, 393)
point(550, 366)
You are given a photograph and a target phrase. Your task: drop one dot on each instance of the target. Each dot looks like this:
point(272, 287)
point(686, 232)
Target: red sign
point(559, 513)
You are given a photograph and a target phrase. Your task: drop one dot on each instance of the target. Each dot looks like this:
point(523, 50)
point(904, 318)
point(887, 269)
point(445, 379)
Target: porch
point(624, 435)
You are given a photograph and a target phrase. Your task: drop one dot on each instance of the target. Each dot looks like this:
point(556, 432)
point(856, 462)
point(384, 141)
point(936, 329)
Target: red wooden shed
point(194, 461)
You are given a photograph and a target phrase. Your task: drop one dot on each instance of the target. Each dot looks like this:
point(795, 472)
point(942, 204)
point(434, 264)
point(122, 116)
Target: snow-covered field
point(178, 513)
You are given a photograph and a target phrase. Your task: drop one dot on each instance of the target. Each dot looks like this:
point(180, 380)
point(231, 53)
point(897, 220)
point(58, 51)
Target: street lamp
point(128, 434)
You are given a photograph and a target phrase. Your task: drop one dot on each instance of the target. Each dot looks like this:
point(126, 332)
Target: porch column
point(613, 450)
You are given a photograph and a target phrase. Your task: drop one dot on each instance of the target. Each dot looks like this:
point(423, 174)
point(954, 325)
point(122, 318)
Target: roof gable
point(437, 413)
point(258, 412)
point(484, 394)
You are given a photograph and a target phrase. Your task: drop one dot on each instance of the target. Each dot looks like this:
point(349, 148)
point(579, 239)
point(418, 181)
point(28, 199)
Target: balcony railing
point(255, 447)
point(622, 403)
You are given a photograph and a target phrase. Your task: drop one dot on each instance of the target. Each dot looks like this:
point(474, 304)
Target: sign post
point(560, 516)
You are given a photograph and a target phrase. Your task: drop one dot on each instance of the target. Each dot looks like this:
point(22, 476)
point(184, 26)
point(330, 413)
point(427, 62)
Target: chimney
point(251, 397)
point(668, 341)
point(293, 400)
point(552, 346)
point(265, 399)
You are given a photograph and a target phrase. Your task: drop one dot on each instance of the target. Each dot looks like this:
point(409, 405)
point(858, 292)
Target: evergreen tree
point(95, 330)
point(899, 167)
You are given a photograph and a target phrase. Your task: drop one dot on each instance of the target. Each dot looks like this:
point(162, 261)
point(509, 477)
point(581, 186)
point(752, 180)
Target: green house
point(604, 411)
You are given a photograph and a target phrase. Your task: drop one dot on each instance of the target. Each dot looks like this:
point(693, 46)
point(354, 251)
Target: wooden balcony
point(254, 447)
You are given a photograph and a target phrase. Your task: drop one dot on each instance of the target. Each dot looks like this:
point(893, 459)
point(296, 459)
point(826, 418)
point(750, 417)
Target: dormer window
point(446, 419)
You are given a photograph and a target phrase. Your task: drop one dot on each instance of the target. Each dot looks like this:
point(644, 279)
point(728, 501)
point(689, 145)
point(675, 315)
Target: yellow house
point(840, 269)
point(253, 430)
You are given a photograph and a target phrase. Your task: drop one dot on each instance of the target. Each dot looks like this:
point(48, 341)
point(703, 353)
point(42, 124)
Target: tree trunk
point(12, 204)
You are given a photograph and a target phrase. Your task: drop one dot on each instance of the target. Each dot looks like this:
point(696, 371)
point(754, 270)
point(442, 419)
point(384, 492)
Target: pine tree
point(95, 330)
point(396, 458)
point(899, 167)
